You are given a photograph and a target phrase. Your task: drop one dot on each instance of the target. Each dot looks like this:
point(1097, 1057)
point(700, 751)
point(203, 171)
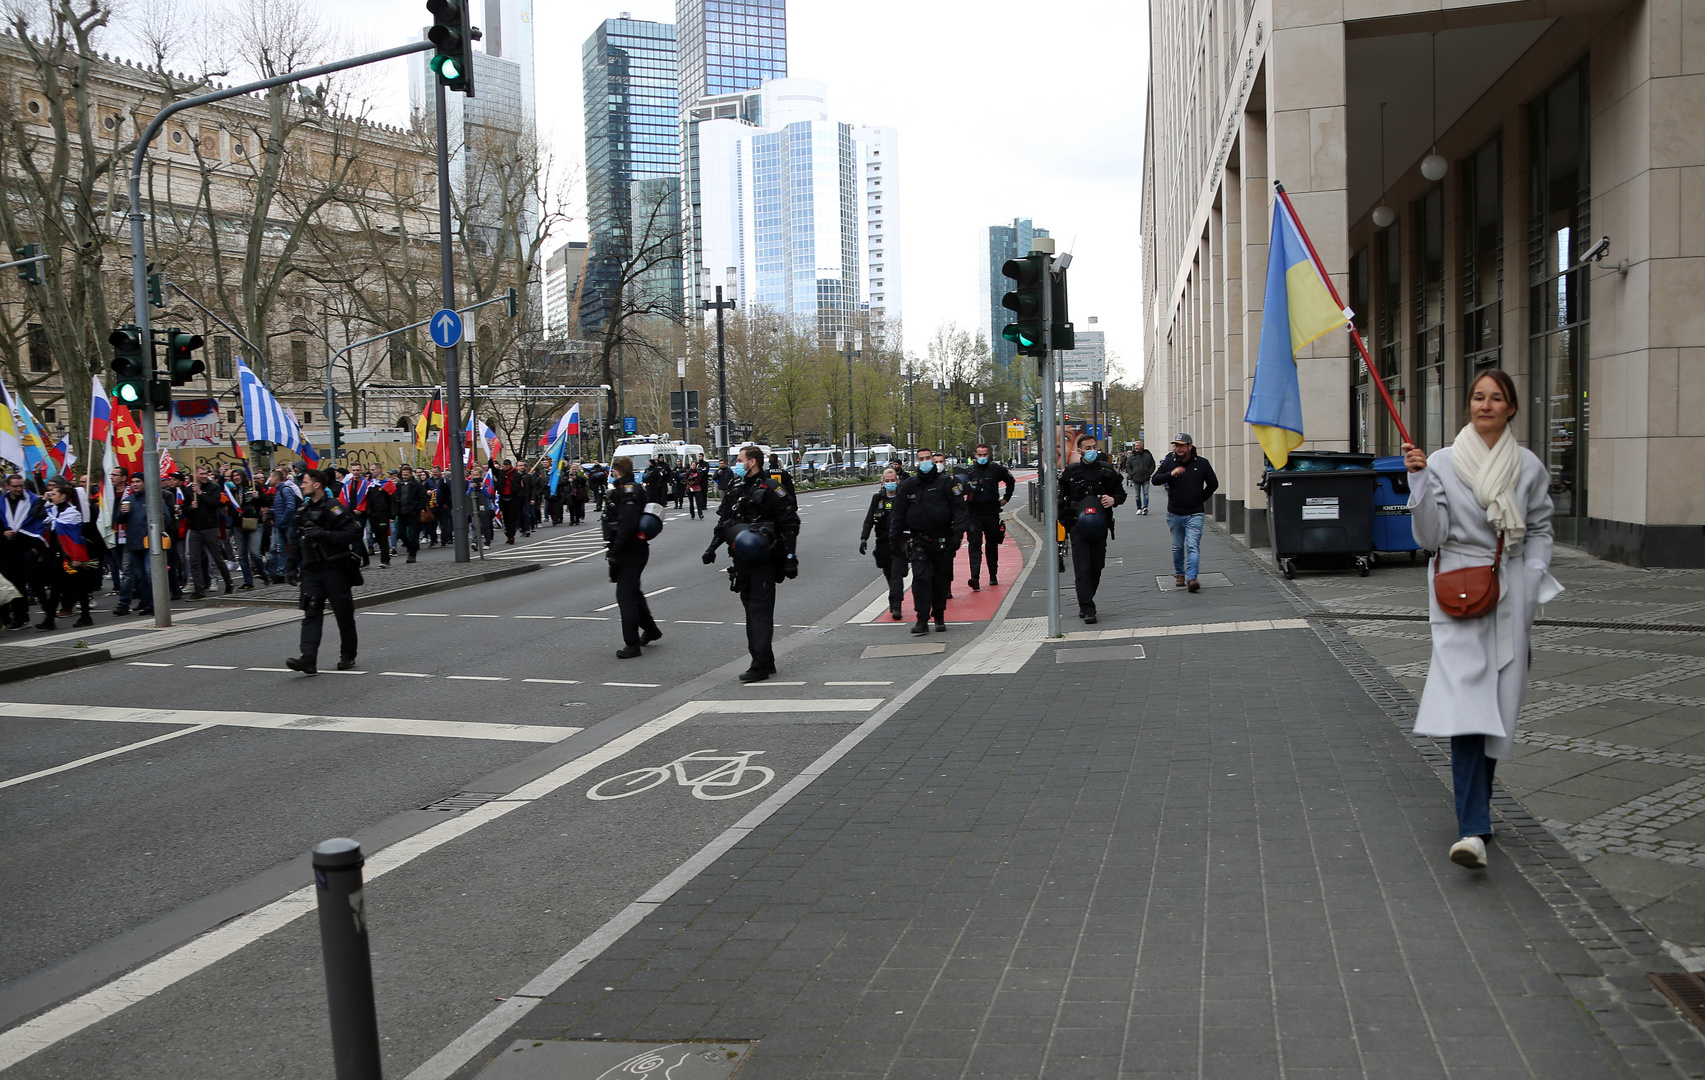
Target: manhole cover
point(922, 648)
point(1209, 581)
point(1099, 652)
point(555, 1059)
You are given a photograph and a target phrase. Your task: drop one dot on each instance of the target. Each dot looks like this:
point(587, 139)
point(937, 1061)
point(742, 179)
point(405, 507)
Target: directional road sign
point(630, 424)
point(446, 327)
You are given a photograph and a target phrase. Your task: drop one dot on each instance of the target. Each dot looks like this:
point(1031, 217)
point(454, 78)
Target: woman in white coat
point(1463, 498)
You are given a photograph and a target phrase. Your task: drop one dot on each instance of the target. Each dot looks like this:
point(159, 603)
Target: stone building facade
point(1458, 165)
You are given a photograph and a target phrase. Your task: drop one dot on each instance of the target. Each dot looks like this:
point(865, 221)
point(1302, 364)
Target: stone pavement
point(1612, 743)
point(399, 581)
point(1203, 852)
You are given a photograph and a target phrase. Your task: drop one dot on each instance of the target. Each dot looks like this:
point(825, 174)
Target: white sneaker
point(1470, 851)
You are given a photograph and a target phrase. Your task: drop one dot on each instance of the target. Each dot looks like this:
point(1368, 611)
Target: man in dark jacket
point(204, 506)
point(511, 487)
point(330, 567)
point(984, 480)
point(411, 500)
point(1089, 482)
point(130, 526)
point(627, 553)
point(1190, 482)
point(381, 511)
point(286, 500)
point(757, 501)
point(1141, 471)
point(929, 516)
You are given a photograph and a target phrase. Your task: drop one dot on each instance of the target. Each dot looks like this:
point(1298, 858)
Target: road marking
point(535, 617)
point(361, 725)
point(655, 592)
point(428, 614)
point(212, 667)
point(563, 682)
point(729, 772)
point(577, 558)
point(607, 607)
point(590, 618)
point(379, 613)
point(479, 678)
point(69, 765)
point(888, 682)
point(757, 685)
point(144, 663)
point(408, 674)
point(645, 685)
point(266, 669)
point(701, 622)
point(459, 616)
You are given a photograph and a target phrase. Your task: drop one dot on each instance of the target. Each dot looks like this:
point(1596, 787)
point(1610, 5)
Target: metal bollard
point(349, 967)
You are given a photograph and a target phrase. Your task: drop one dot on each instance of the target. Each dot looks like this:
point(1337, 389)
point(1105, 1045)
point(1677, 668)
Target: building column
point(1257, 214)
point(1229, 503)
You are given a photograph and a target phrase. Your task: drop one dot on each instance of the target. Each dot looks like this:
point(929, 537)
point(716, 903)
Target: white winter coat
point(1478, 675)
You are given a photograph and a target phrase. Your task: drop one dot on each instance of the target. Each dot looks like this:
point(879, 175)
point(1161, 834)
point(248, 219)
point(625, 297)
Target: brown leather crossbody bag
point(1470, 592)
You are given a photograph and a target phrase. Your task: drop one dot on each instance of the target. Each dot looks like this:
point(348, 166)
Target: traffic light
point(337, 434)
point(453, 35)
point(130, 366)
point(30, 272)
point(1030, 275)
point(511, 303)
point(157, 290)
point(1065, 335)
point(181, 361)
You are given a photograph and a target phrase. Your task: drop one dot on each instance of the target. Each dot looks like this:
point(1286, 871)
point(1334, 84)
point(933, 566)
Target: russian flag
point(569, 424)
point(63, 455)
point(100, 414)
point(68, 527)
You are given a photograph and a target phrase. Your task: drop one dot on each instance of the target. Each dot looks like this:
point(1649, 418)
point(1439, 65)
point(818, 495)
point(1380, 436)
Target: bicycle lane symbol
point(729, 776)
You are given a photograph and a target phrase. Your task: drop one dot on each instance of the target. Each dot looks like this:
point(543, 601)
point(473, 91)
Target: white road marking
point(144, 663)
point(757, 685)
point(267, 669)
point(69, 765)
point(213, 667)
point(408, 674)
point(552, 617)
point(646, 685)
point(380, 613)
point(701, 622)
point(888, 682)
point(578, 558)
point(428, 614)
point(590, 618)
point(459, 616)
point(362, 725)
point(606, 607)
point(478, 678)
point(563, 682)
point(655, 592)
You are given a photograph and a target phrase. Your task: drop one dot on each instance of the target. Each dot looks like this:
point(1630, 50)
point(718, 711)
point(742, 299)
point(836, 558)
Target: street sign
point(630, 424)
point(1088, 362)
point(446, 327)
point(1016, 429)
point(1097, 430)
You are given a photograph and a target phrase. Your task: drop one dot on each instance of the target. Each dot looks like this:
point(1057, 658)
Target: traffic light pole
point(1050, 463)
point(139, 277)
point(721, 373)
point(452, 391)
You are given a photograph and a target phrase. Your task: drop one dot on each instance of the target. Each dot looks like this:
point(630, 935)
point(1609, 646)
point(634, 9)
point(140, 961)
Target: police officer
point(759, 522)
point(928, 517)
point(984, 498)
point(629, 551)
point(1089, 482)
point(892, 563)
point(328, 536)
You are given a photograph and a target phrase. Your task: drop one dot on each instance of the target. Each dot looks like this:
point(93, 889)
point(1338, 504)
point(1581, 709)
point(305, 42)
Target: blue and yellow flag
point(1298, 309)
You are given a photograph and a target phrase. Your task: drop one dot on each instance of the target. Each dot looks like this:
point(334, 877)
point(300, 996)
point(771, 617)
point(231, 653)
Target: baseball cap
point(1184, 437)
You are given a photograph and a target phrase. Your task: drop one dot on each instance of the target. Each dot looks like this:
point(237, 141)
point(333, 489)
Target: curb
point(369, 599)
point(18, 663)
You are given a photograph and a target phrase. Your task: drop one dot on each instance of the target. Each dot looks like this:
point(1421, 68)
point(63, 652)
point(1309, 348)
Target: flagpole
point(1355, 335)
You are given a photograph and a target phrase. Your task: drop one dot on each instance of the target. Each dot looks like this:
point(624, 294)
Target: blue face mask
point(1091, 455)
point(740, 468)
point(890, 485)
point(926, 466)
point(983, 460)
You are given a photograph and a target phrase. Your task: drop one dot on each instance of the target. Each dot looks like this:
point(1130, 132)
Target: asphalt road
point(127, 858)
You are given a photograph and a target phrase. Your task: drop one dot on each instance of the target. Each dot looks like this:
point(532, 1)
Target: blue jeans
point(276, 558)
point(1142, 494)
point(1471, 772)
point(138, 586)
point(247, 545)
point(1186, 543)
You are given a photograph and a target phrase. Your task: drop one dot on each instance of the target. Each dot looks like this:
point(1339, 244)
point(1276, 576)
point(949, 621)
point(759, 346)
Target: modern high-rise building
point(1005, 242)
point(881, 146)
point(725, 48)
point(504, 105)
point(563, 268)
point(1458, 168)
point(788, 208)
point(633, 134)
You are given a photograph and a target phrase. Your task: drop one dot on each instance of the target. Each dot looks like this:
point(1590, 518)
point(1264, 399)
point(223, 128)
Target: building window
point(50, 416)
point(1482, 260)
point(299, 360)
point(1430, 319)
point(1388, 276)
point(40, 358)
point(222, 357)
point(1560, 198)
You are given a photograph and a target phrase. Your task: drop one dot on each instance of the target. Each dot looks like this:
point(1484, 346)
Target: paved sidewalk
point(1222, 857)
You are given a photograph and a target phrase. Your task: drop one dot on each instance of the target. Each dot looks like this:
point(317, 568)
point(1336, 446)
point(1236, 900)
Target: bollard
point(349, 967)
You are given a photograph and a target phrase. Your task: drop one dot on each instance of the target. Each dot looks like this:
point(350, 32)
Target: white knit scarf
point(1491, 473)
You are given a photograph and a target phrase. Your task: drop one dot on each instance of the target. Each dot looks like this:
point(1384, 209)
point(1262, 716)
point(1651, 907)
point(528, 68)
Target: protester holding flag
point(577, 493)
point(74, 566)
point(23, 548)
point(381, 510)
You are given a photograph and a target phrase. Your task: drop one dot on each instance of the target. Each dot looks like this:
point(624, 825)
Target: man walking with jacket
point(1141, 472)
point(1190, 482)
point(411, 500)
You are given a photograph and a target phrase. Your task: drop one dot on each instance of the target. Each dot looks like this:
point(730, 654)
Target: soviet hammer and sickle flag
point(126, 438)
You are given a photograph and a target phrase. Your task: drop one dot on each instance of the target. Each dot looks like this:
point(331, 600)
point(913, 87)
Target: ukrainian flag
point(1298, 309)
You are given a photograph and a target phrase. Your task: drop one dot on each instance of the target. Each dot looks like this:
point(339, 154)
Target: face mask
point(926, 466)
point(890, 485)
point(740, 469)
point(984, 460)
point(1091, 455)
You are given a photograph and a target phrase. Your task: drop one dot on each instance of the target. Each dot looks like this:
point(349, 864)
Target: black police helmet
point(1092, 522)
point(753, 545)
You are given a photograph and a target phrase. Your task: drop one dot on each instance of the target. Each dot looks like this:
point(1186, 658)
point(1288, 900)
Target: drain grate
point(1686, 992)
point(463, 800)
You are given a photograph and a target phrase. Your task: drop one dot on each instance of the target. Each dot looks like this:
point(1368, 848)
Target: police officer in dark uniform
point(928, 517)
point(759, 522)
point(891, 562)
point(1085, 482)
point(329, 534)
point(629, 551)
point(983, 494)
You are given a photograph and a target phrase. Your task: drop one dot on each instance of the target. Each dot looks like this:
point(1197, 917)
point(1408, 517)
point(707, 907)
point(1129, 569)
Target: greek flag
point(267, 421)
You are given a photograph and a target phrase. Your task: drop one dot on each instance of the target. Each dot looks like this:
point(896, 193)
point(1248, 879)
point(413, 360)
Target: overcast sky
point(946, 74)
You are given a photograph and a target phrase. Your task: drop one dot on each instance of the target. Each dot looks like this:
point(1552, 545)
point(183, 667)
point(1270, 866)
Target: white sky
point(943, 73)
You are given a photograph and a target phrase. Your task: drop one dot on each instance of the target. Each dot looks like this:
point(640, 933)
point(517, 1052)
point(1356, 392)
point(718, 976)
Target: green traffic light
point(129, 393)
point(446, 68)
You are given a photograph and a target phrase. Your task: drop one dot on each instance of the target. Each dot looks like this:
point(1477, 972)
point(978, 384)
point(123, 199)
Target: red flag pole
point(1355, 335)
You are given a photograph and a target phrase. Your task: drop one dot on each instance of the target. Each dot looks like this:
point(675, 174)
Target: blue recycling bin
point(1392, 527)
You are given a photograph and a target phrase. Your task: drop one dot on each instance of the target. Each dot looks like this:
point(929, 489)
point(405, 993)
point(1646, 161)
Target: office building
point(504, 106)
point(1005, 242)
point(563, 270)
point(629, 81)
point(1512, 144)
point(725, 49)
point(881, 155)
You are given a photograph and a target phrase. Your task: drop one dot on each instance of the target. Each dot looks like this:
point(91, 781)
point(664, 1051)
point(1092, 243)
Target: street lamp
point(941, 431)
point(719, 305)
point(681, 374)
point(911, 409)
point(854, 345)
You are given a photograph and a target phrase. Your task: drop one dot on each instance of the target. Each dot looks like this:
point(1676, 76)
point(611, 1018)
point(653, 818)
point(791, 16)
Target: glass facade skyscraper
point(1005, 242)
point(629, 79)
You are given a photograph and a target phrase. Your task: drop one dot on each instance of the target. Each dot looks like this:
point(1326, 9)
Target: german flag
point(431, 417)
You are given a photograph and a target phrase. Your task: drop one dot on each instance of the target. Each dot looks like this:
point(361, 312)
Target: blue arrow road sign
point(446, 327)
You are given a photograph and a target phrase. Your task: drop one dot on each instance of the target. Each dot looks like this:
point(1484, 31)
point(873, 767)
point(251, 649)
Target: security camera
point(1598, 251)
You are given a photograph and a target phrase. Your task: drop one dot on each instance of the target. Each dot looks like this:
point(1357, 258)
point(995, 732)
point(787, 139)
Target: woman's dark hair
point(1505, 383)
